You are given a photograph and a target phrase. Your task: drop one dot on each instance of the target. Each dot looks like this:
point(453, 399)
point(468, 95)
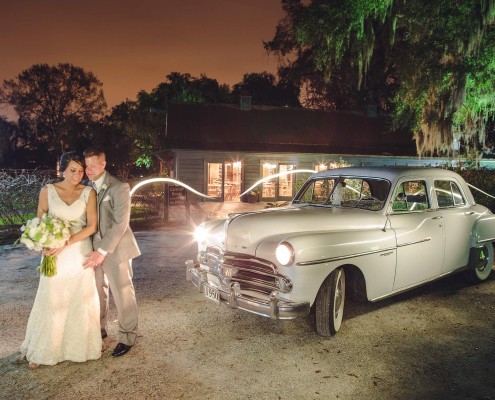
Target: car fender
point(316, 255)
point(483, 230)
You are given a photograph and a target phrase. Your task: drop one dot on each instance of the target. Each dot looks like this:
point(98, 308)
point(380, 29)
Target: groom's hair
point(93, 151)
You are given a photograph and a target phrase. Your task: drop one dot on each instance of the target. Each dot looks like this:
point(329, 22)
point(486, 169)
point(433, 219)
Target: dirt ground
point(435, 342)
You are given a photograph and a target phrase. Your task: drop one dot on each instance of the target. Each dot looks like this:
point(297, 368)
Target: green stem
point(48, 266)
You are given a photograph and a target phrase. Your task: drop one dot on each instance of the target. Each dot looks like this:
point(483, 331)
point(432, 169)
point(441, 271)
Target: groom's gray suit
point(115, 237)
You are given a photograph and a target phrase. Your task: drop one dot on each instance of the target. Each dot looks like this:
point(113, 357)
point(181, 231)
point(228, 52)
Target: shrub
point(483, 179)
point(147, 202)
point(19, 193)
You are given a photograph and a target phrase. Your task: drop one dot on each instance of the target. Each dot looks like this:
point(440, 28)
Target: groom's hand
point(95, 258)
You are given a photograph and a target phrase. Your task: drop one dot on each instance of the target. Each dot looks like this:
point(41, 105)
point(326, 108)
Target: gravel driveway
point(436, 342)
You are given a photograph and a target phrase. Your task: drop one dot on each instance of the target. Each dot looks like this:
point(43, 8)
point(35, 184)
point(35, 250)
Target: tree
point(184, 88)
point(7, 135)
point(132, 133)
point(415, 58)
point(56, 104)
point(266, 91)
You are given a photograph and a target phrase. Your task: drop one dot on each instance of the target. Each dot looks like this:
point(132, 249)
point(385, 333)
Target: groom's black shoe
point(121, 349)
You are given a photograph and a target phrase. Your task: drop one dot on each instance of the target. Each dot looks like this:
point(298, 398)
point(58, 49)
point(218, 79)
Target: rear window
point(448, 194)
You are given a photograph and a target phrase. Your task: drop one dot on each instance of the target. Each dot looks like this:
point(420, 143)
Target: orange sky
point(133, 45)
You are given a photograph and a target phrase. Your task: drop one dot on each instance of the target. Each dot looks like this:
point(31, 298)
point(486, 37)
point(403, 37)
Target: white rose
point(44, 239)
point(32, 232)
point(28, 243)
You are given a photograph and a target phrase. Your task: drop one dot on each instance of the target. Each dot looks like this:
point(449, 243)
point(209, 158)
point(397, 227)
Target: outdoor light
point(284, 253)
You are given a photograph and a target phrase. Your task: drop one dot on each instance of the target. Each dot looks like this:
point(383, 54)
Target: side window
point(459, 199)
point(444, 194)
point(410, 196)
point(448, 194)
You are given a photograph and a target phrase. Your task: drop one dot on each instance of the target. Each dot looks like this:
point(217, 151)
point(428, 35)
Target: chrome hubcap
point(483, 260)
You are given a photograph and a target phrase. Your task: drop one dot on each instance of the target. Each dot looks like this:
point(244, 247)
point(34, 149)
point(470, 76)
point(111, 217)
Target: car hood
point(245, 231)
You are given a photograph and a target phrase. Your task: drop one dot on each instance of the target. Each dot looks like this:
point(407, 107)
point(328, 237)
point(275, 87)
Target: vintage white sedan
point(374, 232)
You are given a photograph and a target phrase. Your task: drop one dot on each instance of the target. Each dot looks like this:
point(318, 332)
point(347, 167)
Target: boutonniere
point(104, 186)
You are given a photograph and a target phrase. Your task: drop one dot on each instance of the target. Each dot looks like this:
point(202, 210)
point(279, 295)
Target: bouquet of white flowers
point(45, 232)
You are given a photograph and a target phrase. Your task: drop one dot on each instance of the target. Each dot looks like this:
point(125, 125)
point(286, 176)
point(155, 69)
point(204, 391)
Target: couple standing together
point(69, 317)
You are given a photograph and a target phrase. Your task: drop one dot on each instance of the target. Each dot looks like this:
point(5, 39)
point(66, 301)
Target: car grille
point(252, 273)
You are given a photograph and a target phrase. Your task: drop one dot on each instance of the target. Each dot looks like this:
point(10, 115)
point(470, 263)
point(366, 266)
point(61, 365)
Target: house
point(221, 150)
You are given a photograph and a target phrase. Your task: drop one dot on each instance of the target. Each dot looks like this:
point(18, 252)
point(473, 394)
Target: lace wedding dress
point(65, 320)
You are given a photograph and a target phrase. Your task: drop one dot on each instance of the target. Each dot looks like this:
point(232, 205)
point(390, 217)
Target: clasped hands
point(95, 258)
point(52, 252)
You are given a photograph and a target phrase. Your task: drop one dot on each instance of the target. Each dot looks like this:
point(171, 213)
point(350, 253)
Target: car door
point(419, 234)
point(458, 218)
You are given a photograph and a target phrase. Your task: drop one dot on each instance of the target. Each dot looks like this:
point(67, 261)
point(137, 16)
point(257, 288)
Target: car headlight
point(284, 253)
point(200, 234)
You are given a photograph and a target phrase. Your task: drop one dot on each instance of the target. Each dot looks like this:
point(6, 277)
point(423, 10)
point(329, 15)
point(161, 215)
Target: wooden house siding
point(191, 165)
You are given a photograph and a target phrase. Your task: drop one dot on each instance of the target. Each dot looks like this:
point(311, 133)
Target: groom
point(114, 248)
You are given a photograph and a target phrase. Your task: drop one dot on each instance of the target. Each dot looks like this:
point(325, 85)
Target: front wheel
point(482, 264)
point(329, 307)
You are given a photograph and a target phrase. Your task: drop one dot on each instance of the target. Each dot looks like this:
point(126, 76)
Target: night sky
point(133, 45)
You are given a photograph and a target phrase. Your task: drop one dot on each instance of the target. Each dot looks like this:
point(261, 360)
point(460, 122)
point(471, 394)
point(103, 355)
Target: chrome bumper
point(231, 295)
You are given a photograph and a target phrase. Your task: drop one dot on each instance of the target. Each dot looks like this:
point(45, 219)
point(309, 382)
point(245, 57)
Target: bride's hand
point(50, 252)
point(54, 252)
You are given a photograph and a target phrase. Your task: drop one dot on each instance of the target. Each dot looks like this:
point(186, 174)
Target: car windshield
point(354, 192)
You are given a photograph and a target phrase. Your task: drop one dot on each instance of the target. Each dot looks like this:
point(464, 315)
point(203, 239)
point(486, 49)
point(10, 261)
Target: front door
point(419, 232)
point(224, 180)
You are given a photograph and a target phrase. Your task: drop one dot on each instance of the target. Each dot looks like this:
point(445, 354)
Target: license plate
point(212, 294)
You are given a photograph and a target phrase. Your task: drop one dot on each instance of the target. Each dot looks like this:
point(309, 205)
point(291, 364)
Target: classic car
point(364, 232)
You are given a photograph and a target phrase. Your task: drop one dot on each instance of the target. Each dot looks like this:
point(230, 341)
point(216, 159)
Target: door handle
point(437, 217)
point(469, 213)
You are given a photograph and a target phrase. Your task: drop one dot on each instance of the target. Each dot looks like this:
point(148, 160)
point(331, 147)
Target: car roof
point(390, 173)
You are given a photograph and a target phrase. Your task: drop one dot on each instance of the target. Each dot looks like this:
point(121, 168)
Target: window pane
point(269, 187)
point(285, 181)
point(410, 196)
point(322, 190)
point(369, 194)
point(215, 177)
point(232, 185)
point(458, 198)
point(444, 194)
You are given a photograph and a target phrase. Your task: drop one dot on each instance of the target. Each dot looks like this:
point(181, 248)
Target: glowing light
point(479, 190)
point(269, 166)
point(200, 234)
point(169, 180)
point(270, 177)
point(284, 253)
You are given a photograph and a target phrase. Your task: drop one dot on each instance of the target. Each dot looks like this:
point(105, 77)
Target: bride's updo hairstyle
point(66, 158)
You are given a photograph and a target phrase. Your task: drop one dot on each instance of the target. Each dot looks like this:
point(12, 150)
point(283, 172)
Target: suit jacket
point(114, 234)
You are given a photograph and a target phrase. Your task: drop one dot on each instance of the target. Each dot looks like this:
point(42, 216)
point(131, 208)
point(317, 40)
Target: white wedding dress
point(65, 320)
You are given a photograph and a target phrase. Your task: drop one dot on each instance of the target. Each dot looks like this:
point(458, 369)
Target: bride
point(64, 323)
